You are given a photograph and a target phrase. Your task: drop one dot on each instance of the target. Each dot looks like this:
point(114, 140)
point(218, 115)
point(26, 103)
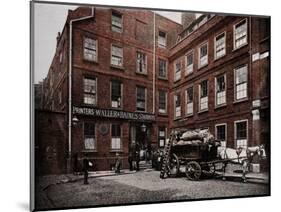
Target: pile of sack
point(197, 136)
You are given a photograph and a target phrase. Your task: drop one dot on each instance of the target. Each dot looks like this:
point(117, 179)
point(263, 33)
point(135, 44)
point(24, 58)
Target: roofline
point(167, 18)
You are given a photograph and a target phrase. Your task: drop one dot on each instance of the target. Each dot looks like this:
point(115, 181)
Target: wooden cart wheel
point(193, 170)
point(174, 166)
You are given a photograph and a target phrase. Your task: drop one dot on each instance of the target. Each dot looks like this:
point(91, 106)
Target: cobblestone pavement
point(144, 186)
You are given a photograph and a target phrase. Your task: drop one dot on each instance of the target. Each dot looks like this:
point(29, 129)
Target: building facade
point(125, 78)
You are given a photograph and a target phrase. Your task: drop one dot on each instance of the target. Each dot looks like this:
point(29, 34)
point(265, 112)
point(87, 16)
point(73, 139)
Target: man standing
point(85, 170)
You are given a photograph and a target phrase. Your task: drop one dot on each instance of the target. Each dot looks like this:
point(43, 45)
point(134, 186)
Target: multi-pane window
point(163, 69)
point(203, 55)
point(203, 91)
point(141, 99)
point(116, 94)
point(177, 105)
point(241, 133)
point(162, 101)
point(162, 39)
point(161, 136)
point(220, 90)
point(189, 63)
point(90, 91)
point(241, 82)
point(141, 62)
point(221, 134)
point(189, 101)
point(116, 55)
point(240, 34)
point(90, 49)
point(116, 22)
point(116, 141)
point(220, 45)
point(89, 136)
point(177, 70)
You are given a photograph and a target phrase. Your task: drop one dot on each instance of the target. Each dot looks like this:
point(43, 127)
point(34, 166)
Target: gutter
point(70, 79)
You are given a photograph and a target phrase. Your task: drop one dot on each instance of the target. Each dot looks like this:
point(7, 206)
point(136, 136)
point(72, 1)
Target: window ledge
point(115, 150)
point(189, 74)
point(89, 105)
point(162, 114)
point(235, 49)
point(89, 151)
point(203, 111)
point(163, 78)
point(240, 100)
point(140, 73)
point(117, 67)
point(177, 118)
point(91, 61)
point(220, 57)
point(189, 115)
point(203, 66)
point(220, 106)
point(175, 81)
point(117, 108)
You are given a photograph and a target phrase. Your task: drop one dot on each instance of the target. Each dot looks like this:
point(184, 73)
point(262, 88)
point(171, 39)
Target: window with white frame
point(189, 63)
point(116, 94)
point(141, 98)
point(162, 39)
point(203, 55)
point(203, 91)
point(162, 101)
point(220, 90)
point(90, 49)
point(241, 128)
point(116, 55)
point(221, 134)
point(162, 69)
point(161, 136)
point(141, 62)
point(177, 103)
point(240, 34)
point(90, 87)
point(189, 101)
point(116, 141)
point(177, 70)
point(116, 22)
point(241, 82)
point(89, 136)
point(220, 45)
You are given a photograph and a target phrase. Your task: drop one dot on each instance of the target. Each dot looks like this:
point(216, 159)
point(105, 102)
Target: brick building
point(121, 78)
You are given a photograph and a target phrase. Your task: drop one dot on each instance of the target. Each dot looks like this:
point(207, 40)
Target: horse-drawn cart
point(197, 153)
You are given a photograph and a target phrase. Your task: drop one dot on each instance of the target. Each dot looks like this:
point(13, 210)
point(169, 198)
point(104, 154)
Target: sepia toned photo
point(140, 106)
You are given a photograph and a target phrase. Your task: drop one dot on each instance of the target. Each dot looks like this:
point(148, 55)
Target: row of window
point(240, 92)
point(91, 54)
point(116, 89)
point(240, 133)
point(90, 142)
point(239, 40)
point(117, 26)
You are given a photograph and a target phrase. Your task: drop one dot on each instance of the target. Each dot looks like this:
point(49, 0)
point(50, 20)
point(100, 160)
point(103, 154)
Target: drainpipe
point(154, 49)
point(70, 86)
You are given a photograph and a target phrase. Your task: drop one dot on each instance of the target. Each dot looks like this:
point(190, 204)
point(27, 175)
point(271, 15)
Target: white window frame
point(96, 50)
point(187, 105)
point(111, 55)
point(115, 27)
point(234, 34)
point(96, 90)
point(160, 44)
point(145, 63)
point(235, 132)
point(95, 149)
point(121, 101)
point(165, 136)
point(177, 74)
point(215, 45)
point(177, 109)
point(111, 137)
point(145, 90)
point(189, 68)
point(199, 96)
point(199, 54)
point(235, 86)
point(225, 90)
point(166, 102)
point(216, 133)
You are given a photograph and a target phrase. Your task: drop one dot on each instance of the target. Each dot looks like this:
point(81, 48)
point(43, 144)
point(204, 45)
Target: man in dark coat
point(85, 170)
